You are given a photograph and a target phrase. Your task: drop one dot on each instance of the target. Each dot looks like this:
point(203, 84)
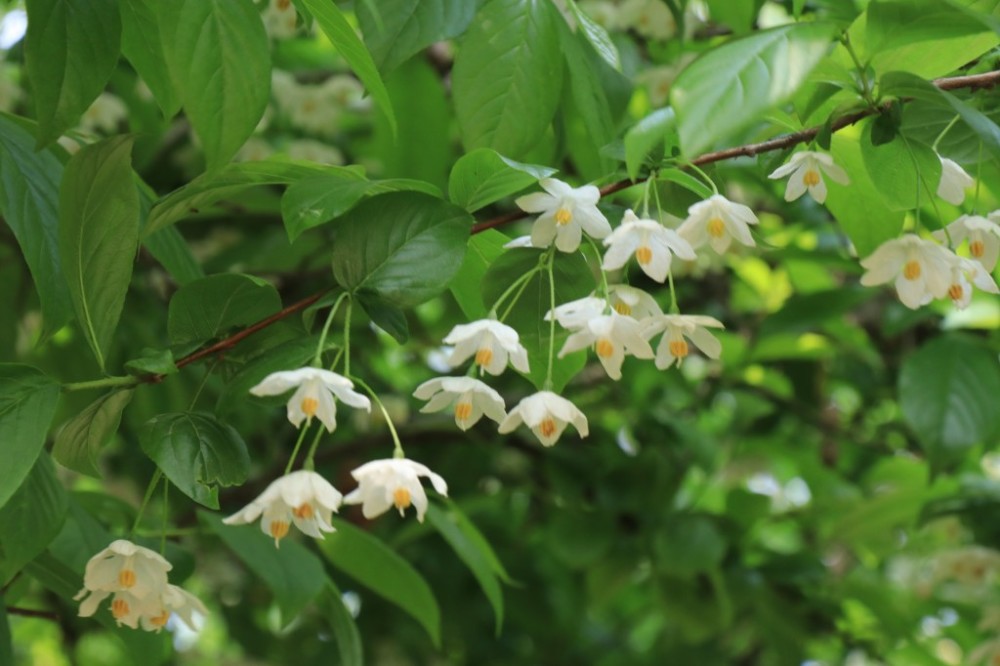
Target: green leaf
point(32, 518)
point(947, 393)
point(658, 130)
point(207, 308)
point(333, 609)
point(28, 400)
point(79, 442)
point(98, 236)
point(335, 26)
point(152, 362)
point(748, 76)
point(403, 246)
point(507, 76)
point(219, 60)
point(294, 574)
point(197, 452)
point(483, 250)
point(170, 249)
point(739, 16)
point(373, 564)
point(685, 180)
point(386, 316)
point(904, 171)
point(70, 51)
point(142, 44)
point(597, 36)
point(484, 176)
point(6, 640)
point(29, 200)
point(403, 27)
point(688, 545)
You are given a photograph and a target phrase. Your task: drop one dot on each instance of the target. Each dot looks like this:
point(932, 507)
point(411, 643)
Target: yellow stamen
point(309, 406)
point(811, 178)
point(119, 608)
point(283, 4)
point(126, 578)
point(547, 427)
point(303, 511)
point(679, 348)
point(955, 292)
point(911, 270)
point(623, 308)
point(716, 227)
point(279, 529)
point(161, 619)
point(564, 216)
point(977, 248)
point(463, 411)
point(401, 498)
point(604, 348)
point(643, 255)
point(484, 356)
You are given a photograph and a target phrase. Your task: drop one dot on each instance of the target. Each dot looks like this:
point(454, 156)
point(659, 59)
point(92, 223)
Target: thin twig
point(29, 612)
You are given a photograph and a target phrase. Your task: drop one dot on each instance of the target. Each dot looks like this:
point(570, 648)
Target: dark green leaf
point(170, 249)
point(904, 170)
point(344, 628)
point(206, 308)
point(403, 27)
point(484, 176)
point(386, 316)
point(689, 544)
point(483, 250)
point(655, 132)
point(32, 518)
point(597, 36)
point(142, 44)
point(152, 362)
point(79, 442)
point(292, 354)
point(6, 642)
point(197, 452)
point(28, 402)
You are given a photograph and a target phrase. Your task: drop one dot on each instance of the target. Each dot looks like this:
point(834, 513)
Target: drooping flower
point(652, 244)
point(805, 170)
point(393, 482)
point(490, 342)
point(677, 331)
point(964, 274)
point(612, 336)
point(920, 269)
point(314, 395)
point(566, 213)
point(131, 573)
point(471, 397)
point(279, 19)
point(173, 600)
point(105, 114)
point(630, 301)
point(717, 221)
point(303, 498)
point(650, 18)
point(983, 235)
point(954, 181)
point(576, 314)
point(547, 415)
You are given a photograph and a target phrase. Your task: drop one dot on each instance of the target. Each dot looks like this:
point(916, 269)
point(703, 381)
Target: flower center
point(955, 292)
point(303, 511)
point(463, 411)
point(811, 178)
point(284, 4)
point(126, 578)
point(623, 308)
point(564, 216)
point(309, 105)
point(679, 348)
point(119, 608)
point(161, 619)
point(911, 270)
point(401, 498)
point(279, 529)
point(484, 356)
point(604, 347)
point(309, 406)
point(547, 427)
point(716, 227)
point(643, 255)
point(977, 248)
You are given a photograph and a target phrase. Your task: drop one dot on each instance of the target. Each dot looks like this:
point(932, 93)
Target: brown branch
point(28, 612)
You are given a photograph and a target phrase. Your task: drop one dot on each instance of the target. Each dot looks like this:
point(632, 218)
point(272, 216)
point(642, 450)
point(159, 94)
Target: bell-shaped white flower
point(471, 397)
point(612, 336)
point(964, 274)
point(651, 243)
point(547, 415)
point(490, 342)
point(805, 170)
point(566, 213)
point(106, 114)
point(920, 269)
point(954, 181)
point(279, 19)
point(576, 314)
point(717, 221)
point(983, 234)
point(173, 600)
point(390, 482)
point(315, 391)
point(133, 574)
point(303, 498)
point(677, 331)
point(634, 302)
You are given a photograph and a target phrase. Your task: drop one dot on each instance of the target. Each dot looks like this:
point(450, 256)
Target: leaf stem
point(309, 464)
point(704, 176)
point(866, 91)
point(519, 282)
point(552, 322)
point(298, 445)
point(604, 276)
point(397, 451)
point(145, 499)
point(674, 309)
point(347, 340)
point(947, 127)
point(107, 382)
point(318, 356)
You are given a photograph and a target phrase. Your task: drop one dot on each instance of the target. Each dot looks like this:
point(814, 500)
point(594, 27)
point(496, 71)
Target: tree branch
point(28, 612)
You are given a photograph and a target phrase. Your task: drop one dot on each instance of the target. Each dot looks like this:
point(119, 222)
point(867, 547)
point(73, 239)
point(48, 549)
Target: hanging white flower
point(631, 301)
point(490, 342)
point(311, 150)
point(677, 331)
point(805, 170)
point(652, 244)
point(954, 181)
point(650, 18)
point(132, 574)
point(717, 221)
point(303, 498)
point(612, 336)
point(105, 114)
point(279, 19)
point(920, 269)
point(314, 395)
point(173, 600)
point(472, 399)
point(547, 415)
point(964, 274)
point(566, 213)
point(576, 314)
point(390, 482)
point(983, 234)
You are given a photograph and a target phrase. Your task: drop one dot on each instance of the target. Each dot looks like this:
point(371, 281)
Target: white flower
point(677, 330)
point(105, 114)
point(393, 482)
point(921, 269)
point(314, 151)
point(547, 415)
point(954, 182)
point(650, 18)
point(131, 573)
point(983, 234)
point(806, 169)
point(491, 342)
point(612, 336)
point(964, 274)
point(345, 91)
point(565, 214)
point(634, 302)
point(520, 241)
point(471, 397)
point(576, 314)
point(717, 220)
point(651, 243)
point(302, 498)
point(173, 600)
point(314, 395)
point(279, 19)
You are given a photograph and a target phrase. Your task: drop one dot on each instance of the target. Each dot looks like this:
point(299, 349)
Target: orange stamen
point(716, 228)
point(912, 270)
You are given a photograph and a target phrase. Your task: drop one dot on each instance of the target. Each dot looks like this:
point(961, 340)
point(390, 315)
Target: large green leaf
point(197, 452)
point(335, 26)
point(6, 641)
point(484, 176)
point(98, 236)
point(28, 401)
point(142, 44)
point(657, 132)
point(483, 250)
point(81, 439)
point(70, 51)
point(344, 628)
point(29, 199)
point(32, 518)
point(904, 171)
point(206, 308)
point(403, 246)
point(396, 29)
point(373, 564)
point(294, 574)
point(170, 249)
point(507, 76)
point(947, 393)
point(733, 86)
point(219, 60)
